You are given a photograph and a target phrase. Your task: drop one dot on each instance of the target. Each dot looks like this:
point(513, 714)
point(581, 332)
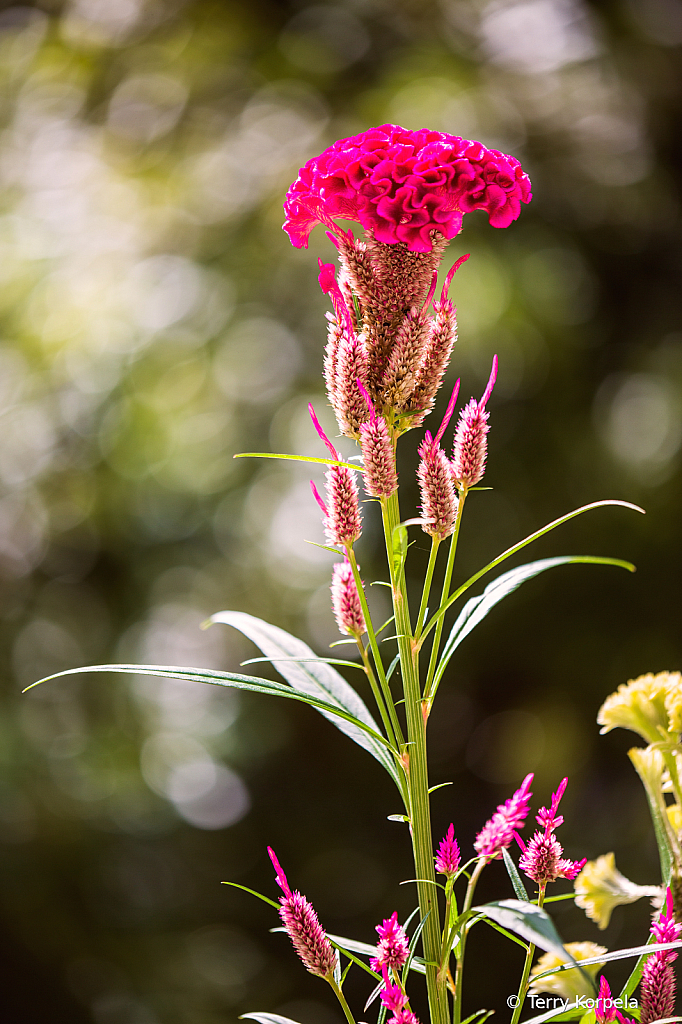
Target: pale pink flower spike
point(471, 443)
point(308, 937)
point(498, 833)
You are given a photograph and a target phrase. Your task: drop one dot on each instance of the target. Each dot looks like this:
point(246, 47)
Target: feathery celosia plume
point(436, 487)
point(343, 521)
point(405, 185)
point(393, 948)
point(303, 928)
point(471, 443)
point(346, 600)
point(392, 996)
point(542, 859)
point(605, 1010)
point(448, 856)
point(498, 833)
point(380, 478)
point(657, 991)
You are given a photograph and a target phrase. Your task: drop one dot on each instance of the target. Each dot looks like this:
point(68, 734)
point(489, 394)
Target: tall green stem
point(530, 953)
point(417, 773)
point(435, 646)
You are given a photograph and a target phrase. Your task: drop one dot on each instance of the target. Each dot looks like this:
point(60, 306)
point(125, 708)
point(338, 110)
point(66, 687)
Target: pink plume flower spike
point(343, 521)
point(381, 478)
point(300, 921)
point(448, 856)
point(437, 490)
point(605, 1010)
point(543, 859)
point(471, 444)
point(346, 601)
point(657, 991)
point(392, 996)
point(393, 947)
point(498, 833)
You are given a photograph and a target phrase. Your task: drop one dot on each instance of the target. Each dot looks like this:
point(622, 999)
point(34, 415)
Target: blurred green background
point(154, 320)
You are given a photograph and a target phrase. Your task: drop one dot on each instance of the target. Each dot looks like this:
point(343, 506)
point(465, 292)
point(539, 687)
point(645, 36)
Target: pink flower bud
point(448, 856)
point(381, 478)
point(471, 445)
point(346, 600)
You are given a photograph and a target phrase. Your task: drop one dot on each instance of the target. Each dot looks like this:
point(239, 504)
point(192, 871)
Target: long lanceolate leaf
point(318, 679)
point(518, 547)
point(529, 921)
point(477, 608)
point(240, 682)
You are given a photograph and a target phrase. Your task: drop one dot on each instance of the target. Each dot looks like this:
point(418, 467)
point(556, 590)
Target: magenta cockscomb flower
point(471, 442)
point(346, 600)
point(542, 860)
point(498, 833)
point(343, 521)
point(303, 928)
point(393, 948)
point(657, 992)
point(448, 856)
point(404, 185)
point(380, 478)
point(605, 1010)
point(436, 487)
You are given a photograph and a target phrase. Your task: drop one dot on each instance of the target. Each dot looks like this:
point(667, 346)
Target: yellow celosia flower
point(673, 700)
point(640, 705)
point(675, 817)
point(600, 887)
point(571, 983)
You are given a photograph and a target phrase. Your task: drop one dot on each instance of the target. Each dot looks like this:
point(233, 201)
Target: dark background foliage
point(155, 320)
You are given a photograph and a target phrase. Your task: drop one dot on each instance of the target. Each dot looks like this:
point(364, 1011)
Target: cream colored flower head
point(648, 705)
point(600, 887)
point(571, 983)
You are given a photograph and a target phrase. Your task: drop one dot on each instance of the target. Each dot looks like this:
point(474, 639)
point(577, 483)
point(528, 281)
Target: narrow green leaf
point(556, 1015)
point(239, 682)
point(323, 661)
point(478, 1013)
point(399, 547)
point(315, 678)
point(522, 544)
point(440, 785)
point(413, 946)
point(516, 880)
point(476, 609)
point(392, 667)
point(253, 892)
point(351, 961)
point(398, 817)
point(325, 547)
point(529, 921)
point(268, 1018)
point(374, 994)
point(503, 931)
point(296, 458)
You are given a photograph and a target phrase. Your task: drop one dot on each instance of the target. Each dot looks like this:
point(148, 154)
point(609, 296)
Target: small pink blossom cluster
point(392, 953)
point(403, 185)
point(542, 860)
point(499, 833)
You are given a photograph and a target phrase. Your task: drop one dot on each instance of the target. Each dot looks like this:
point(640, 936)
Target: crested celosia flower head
point(643, 705)
point(393, 948)
point(570, 983)
point(403, 185)
point(600, 887)
point(303, 928)
point(448, 856)
point(657, 993)
point(498, 833)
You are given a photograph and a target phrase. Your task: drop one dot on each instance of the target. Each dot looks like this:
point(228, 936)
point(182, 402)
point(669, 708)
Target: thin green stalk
point(435, 646)
point(433, 554)
point(523, 984)
point(385, 702)
point(417, 773)
point(459, 973)
point(342, 999)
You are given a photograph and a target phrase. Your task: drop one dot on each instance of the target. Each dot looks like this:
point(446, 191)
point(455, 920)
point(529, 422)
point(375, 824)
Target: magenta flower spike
point(303, 928)
point(471, 443)
point(343, 521)
point(498, 833)
point(657, 991)
point(605, 1010)
point(392, 996)
point(404, 185)
point(542, 860)
point(448, 856)
point(346, 600)
point(393, 948)
point(380, 478)
point(436, 486)
point(329, 286)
